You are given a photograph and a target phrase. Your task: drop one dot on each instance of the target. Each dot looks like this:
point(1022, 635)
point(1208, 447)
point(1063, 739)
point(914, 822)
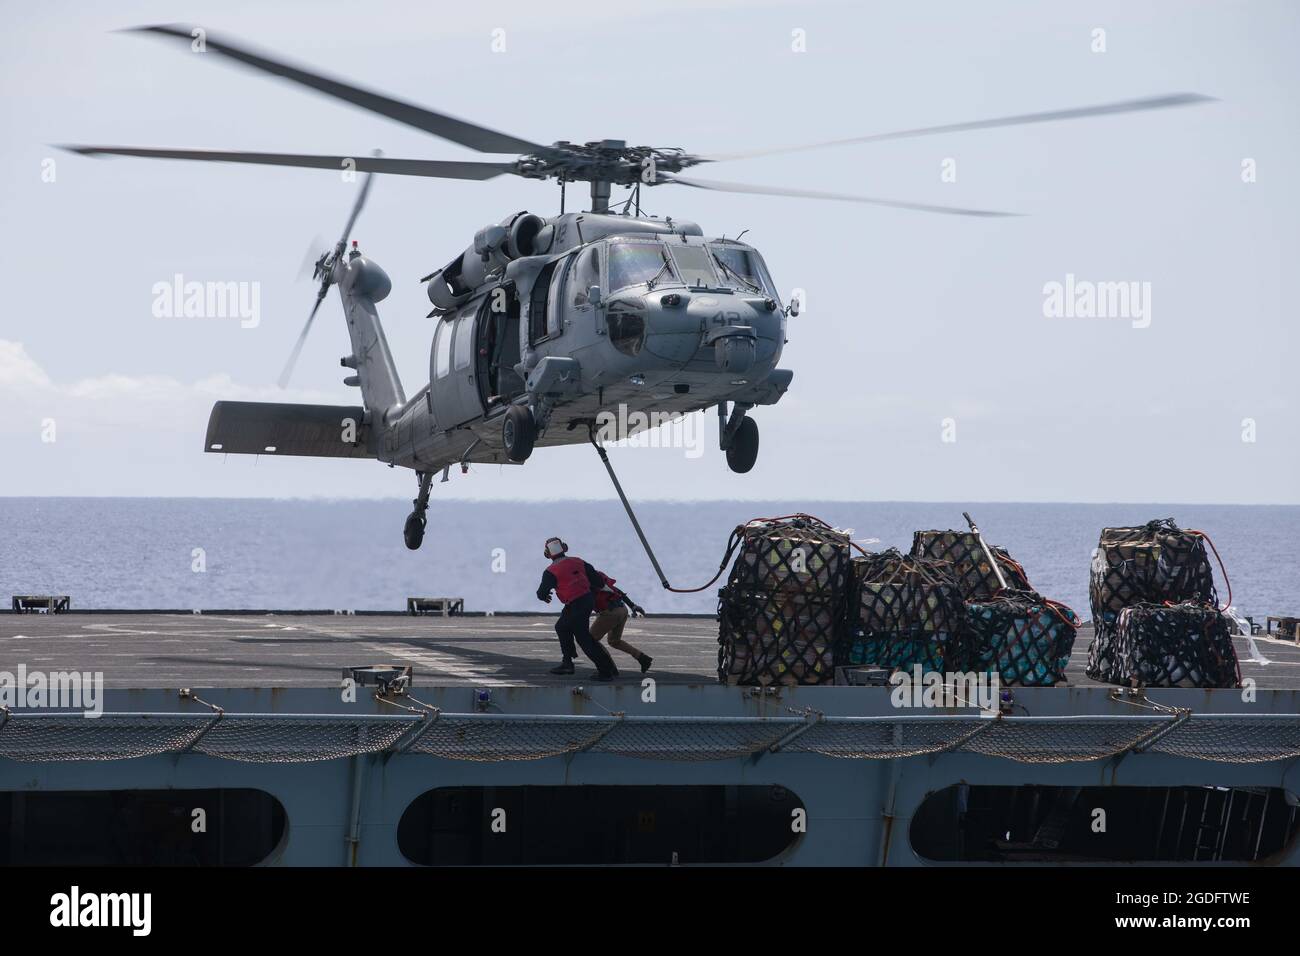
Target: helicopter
point(544, 323)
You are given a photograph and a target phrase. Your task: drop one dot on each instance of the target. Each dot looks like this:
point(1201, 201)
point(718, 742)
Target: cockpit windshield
point(639, 263)
point(742, 269)
point(694, 266)
point(713, 266)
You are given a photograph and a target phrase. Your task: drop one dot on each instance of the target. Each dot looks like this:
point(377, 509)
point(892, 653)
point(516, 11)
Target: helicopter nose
point(680, 324)
point(672, 332)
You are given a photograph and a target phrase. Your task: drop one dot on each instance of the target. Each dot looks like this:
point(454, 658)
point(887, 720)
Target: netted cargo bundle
point(1021, 636)
point(907, 611)
point(794, 555)
point(1155, 563)
point(1183, 645)
point(777, 638)
point(975, 575)
point(782, 611)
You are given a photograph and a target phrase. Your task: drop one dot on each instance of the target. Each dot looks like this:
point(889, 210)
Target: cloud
point(149, 400)
point(18, 370)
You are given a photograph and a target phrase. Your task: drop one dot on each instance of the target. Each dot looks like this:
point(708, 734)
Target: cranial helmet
point(555, 547)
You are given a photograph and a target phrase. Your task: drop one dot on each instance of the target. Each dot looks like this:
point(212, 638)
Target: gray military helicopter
point(543, 322)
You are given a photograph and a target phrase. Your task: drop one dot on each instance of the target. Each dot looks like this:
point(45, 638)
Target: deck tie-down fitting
point(217, 714)
point(811, 719)
point(427, 719)
point(1182, 716)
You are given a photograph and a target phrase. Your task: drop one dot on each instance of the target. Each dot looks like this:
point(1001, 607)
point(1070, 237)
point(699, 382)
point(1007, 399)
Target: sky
point(929, 363)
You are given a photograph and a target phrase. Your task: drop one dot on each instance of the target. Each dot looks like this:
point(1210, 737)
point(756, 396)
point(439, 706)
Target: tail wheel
point(518, 432)
point(743, 450)
point(414, 530)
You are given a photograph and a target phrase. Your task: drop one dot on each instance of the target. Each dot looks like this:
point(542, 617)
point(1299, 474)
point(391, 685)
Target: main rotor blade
point(433, 168)
point(356, 209)
point(460, 131)
point(297, 346)
point(1023, 119)
point(815, 194)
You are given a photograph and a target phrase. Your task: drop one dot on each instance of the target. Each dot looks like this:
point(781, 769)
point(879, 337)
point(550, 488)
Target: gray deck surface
point(214, 650)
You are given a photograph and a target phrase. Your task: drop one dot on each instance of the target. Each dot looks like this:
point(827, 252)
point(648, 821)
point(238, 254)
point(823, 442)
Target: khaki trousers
point(610, 622)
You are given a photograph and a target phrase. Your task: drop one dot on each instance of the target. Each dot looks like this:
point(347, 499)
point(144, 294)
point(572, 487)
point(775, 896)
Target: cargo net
point(1156, 563)
point(908, 612)
point(1181, 645)
point(797, 555)
point(1022, 637)
point(776, 638)
point(781, 612)
point(975, 576)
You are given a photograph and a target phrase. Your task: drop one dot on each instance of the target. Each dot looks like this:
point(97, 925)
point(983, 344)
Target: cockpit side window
point(639, 263)
point(584, 275)
point(537, 304)
point(555, 308)
point(742, 269)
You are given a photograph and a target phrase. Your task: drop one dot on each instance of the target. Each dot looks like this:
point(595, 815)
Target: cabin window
point(598, 825)
point(464, 341)
point(498, 341)
point(638, 263)
point(442, 365)
point(694, 266)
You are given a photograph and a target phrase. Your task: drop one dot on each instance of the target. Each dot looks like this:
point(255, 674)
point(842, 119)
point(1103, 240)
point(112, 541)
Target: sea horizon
point(348, 553)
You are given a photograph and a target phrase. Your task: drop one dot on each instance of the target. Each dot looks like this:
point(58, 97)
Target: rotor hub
point(610, 160)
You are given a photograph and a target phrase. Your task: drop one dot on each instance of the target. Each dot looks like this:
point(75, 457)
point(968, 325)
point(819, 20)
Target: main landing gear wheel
point(518, 432)
point(414, 530)
point(742, 451)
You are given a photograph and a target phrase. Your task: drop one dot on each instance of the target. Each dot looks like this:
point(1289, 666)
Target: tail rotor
point(324, 273)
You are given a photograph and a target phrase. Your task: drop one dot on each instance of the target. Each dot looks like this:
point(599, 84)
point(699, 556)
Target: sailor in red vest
point(575, 582)
point(612, 608)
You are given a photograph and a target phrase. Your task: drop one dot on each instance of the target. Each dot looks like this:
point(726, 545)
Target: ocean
point(344, 554)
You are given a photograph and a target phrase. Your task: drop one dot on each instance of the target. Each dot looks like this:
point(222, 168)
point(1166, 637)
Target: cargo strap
point(636, 525)
point(737, 536)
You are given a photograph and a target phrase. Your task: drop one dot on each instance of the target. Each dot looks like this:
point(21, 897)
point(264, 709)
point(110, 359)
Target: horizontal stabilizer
point(270, 428)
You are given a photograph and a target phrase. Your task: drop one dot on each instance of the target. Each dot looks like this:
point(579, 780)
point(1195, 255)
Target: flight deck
point(272, 650)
